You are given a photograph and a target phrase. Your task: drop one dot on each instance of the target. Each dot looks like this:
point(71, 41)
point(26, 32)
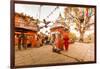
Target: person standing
point(22, 41)
point(66, 39)
point(19, 42)
point(59, 41)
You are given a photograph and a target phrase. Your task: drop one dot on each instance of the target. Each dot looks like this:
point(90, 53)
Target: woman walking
point(66, 39)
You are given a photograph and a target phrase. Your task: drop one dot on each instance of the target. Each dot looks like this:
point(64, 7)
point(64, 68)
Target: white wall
point(5, 34)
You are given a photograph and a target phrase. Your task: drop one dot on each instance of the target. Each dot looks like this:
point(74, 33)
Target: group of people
point(60, 41)
point(24, 40)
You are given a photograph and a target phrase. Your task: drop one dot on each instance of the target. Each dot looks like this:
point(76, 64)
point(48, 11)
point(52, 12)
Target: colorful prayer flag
point(86, 11)
point(83, 11)
point(90, 12)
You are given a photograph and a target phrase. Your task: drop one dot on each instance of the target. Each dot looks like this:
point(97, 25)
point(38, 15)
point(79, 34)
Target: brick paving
point(78, 52)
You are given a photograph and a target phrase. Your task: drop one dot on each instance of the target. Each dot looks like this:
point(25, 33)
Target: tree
point(81, 17)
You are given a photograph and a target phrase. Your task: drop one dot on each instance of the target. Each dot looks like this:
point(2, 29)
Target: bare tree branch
point(88, 26)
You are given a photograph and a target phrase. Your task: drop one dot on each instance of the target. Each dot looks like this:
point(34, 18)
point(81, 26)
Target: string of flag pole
point(52, 12)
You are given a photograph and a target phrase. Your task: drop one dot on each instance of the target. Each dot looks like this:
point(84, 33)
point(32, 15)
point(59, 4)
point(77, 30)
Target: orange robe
point(66, 40)
point(59, 43)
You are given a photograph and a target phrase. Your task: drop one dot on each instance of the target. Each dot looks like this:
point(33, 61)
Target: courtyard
point(77, 52)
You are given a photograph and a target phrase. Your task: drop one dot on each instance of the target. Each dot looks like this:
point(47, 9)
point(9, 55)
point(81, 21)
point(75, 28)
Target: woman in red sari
point(65, 34)
point(66, 39)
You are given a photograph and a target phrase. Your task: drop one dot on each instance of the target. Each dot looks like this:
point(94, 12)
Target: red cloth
point(66, 40)
point(59, 43)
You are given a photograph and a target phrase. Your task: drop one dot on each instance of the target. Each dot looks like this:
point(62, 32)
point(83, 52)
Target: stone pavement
point(78, 52)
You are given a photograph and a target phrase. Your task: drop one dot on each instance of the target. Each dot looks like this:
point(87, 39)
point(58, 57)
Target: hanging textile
point(90, 12)
point(83, 12)
point(86, 11)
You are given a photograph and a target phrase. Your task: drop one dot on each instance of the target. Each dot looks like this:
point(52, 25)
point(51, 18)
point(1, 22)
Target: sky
point(36, 10)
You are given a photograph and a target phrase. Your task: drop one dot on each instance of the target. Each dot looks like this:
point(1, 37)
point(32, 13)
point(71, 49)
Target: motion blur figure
point(66, 39)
